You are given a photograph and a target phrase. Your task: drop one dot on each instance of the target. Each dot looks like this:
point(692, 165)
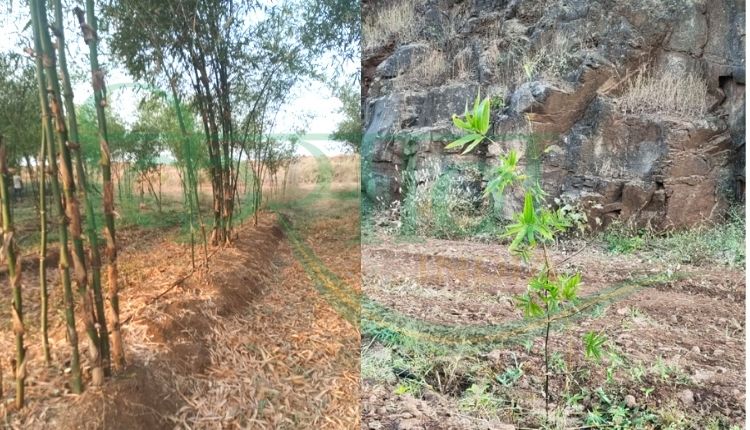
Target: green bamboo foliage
point(72, 211)
point(95, 268)
point(14, 275)
point(191, 181)
point(44, 295)
point(89, 30)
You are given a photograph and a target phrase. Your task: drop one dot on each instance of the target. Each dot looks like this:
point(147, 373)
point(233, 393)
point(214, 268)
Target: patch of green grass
point(607, 411)
point(722, 243)
point(619, 239)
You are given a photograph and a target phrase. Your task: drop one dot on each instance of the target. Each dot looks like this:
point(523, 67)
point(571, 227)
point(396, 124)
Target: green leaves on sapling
point(506, 174)
point(536, 224)
point(593, 343)
point(476, 122)
point(545, 296)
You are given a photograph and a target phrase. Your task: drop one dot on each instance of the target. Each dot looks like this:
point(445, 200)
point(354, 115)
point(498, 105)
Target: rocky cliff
point(635, 109)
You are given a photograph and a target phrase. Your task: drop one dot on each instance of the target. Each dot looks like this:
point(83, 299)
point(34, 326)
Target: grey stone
point(401, 60)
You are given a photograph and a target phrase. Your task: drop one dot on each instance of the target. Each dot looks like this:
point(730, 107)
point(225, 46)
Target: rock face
point(559, 73)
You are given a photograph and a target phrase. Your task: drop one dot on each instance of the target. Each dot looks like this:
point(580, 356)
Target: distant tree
point(20, 122)
point(335, 26)
point(349, 130)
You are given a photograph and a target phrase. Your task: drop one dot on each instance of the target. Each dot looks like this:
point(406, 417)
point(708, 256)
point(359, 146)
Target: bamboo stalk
point(14, 276)
point(72, 211)
point(89, 31)
point(83, 189)
point(44, 295)
point(72, 334)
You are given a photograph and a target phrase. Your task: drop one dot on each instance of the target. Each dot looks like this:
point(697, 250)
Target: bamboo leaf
point(473, 144)
point(458, 143)
point(485, 117)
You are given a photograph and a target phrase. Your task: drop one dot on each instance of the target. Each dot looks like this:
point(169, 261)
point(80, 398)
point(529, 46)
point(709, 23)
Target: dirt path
point(249, 344)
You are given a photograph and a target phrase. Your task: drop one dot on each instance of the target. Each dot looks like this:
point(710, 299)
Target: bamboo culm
point(83, 191)
point(72, 215)
point(89, 30)
point(14, 276)
point(44, 295)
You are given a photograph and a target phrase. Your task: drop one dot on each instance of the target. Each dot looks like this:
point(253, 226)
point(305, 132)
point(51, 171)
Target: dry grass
point(666, 93)
point(396, 21)
point(517, 62)
point(460, 68)
point(344, 169)
point(430, 69)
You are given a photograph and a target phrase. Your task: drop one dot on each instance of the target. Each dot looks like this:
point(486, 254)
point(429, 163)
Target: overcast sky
point(310, 103)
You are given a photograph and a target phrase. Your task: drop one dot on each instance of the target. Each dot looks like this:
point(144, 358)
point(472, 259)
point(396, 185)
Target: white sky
point(311, 103)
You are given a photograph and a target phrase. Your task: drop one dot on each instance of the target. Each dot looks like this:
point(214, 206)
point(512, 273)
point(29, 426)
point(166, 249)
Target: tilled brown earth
point(677, 338)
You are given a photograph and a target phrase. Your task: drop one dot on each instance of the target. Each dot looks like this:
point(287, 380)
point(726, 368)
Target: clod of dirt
point(686, 397)
point(410, 424)
point(630, 401)
point(501, 426)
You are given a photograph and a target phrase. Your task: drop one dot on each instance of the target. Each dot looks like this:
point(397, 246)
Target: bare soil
point(682, 325)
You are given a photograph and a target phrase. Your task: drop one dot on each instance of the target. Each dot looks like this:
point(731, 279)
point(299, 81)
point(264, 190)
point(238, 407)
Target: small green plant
point(610, 414)
point(536, 226)
point(408, 386)
point(637, 372)
point(479, 399)
point(497, 103)
point(511, 375)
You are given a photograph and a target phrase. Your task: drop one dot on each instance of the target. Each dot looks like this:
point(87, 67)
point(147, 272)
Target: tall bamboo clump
point(72, 333)
point(14, 275)
point(71, 209)
point(89, 30)
point(95, 267)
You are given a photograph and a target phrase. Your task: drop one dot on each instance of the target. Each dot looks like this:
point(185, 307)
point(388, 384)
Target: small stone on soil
point(409, 424)
point(686, 397)
point(494, 425)
point(696, 350)
point(630, 401)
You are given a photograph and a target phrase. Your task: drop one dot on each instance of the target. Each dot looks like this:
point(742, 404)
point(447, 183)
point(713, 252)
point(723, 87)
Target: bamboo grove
point(218, 84)
point(59, 166)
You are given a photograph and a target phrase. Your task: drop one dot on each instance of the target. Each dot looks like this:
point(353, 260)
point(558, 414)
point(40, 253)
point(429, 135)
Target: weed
point(443, 204)
point(722, 243)
point(637, 372)
point(377, 365)
point(409, 386)
point(479, 399)
point(620, 239)
point(511, 375)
